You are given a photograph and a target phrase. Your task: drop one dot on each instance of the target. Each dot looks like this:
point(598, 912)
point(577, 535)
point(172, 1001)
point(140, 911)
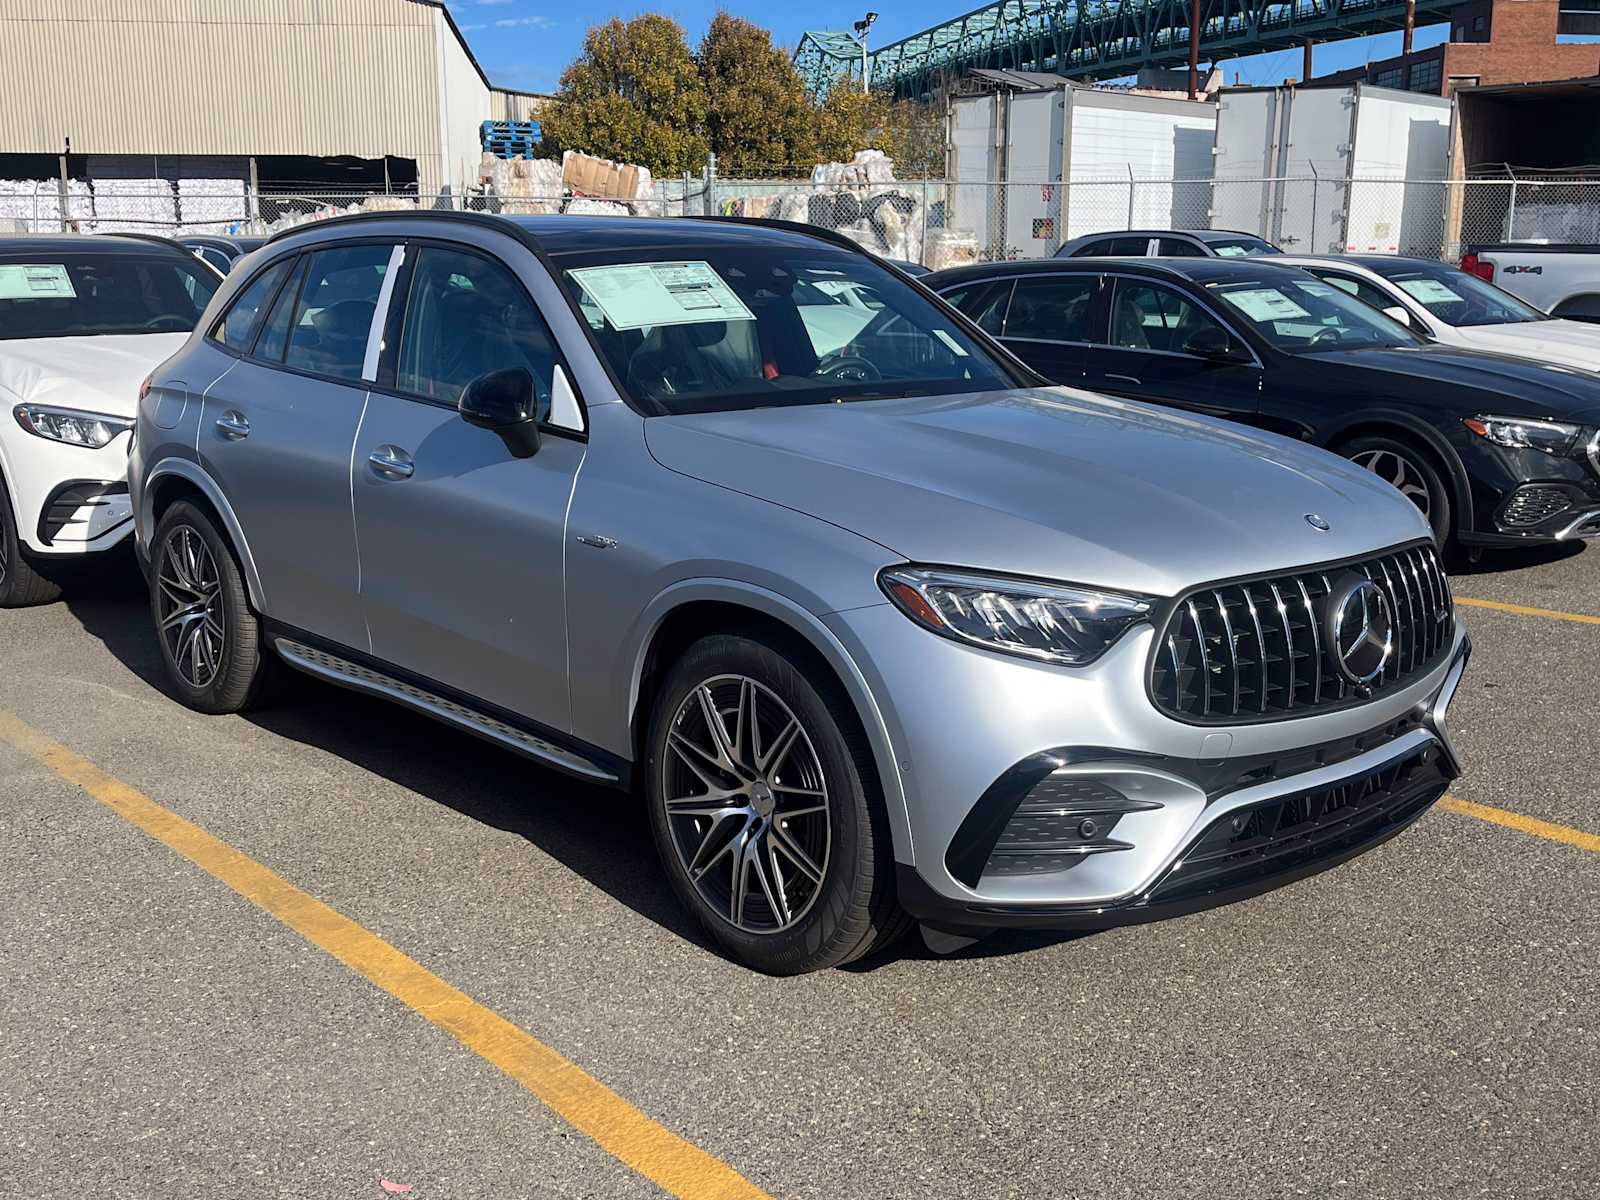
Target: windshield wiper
point(901, 395)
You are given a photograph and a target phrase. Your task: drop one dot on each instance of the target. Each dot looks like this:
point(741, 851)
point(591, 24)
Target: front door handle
point(1125, 379)
point(392, 462)
point(233, 426)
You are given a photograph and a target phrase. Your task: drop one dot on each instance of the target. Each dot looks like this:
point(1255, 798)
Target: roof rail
point(155, 239)
point(487, 220)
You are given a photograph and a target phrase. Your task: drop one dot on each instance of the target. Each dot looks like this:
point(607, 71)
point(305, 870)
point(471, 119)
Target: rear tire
point(771, 830)
point(21, 584)
point(211, 640)
point(1412, 472)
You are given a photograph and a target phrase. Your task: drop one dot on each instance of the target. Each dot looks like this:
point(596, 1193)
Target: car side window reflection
point(1147, 316)
point(237, 329)
point(334, 316)
point(1363, 292)
point(466, 315)
point(1056, 308)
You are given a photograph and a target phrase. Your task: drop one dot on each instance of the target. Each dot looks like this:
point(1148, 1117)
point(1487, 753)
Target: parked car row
point(887, 627)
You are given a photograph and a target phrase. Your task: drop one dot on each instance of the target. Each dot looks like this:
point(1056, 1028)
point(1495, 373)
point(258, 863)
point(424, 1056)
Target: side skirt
point(360, 677)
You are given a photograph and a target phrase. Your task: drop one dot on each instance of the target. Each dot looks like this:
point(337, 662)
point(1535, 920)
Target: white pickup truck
point(1563, 280)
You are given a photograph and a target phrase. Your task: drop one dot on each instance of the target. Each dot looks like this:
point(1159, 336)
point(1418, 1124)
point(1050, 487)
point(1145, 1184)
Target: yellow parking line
point(677, 1166)
point(1523, 610)
point(1523, 824)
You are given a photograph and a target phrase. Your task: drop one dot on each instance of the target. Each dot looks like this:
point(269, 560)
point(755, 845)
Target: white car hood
point(1567, 343)
point(99, 373)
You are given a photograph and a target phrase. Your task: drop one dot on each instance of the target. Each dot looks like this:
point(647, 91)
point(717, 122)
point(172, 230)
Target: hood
point(1480, 376)
point(1049, 482)
point(98, 374)
point(1565, 343)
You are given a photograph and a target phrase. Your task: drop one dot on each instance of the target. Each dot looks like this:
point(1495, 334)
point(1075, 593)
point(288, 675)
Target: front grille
point(1287, 833)
point(1254, 650)
point(1533, 504)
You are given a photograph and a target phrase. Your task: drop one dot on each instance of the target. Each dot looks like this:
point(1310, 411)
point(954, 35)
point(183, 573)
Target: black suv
point(1494, 450)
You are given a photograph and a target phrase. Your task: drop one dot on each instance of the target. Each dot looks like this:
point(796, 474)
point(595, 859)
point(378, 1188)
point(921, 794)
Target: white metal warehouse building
point(309, 91)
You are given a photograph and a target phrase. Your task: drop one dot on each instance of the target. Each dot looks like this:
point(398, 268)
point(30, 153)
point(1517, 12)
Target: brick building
point(1493, 42)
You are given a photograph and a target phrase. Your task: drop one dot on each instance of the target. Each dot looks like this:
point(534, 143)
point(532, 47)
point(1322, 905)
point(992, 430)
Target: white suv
point(83, 320)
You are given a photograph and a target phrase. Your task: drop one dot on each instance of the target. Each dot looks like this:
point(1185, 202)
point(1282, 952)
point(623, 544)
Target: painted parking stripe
point(1522, 823)
point(677, 1166)
point(1554, 614)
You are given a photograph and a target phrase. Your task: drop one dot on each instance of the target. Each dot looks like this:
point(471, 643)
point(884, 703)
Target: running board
point(364, 679)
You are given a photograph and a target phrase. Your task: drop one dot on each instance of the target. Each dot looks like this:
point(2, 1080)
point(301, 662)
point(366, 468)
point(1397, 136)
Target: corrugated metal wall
point(241, 77)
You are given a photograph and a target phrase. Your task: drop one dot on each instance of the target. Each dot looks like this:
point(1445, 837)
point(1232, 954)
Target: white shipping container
point(1333, 170)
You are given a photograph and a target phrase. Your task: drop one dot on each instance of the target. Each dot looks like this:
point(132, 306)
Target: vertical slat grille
point(1257, 648)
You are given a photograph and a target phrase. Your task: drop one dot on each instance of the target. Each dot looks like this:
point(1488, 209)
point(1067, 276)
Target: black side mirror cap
point(503, 402)
point(1211, 342)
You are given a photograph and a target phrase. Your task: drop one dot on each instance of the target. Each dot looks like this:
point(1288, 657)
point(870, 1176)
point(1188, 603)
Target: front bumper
point(1523, 496)
point(68, 500)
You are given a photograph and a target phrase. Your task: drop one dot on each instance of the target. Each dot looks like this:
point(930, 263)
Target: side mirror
point(1213, 342)
point(503, 402)
point(1395, 313)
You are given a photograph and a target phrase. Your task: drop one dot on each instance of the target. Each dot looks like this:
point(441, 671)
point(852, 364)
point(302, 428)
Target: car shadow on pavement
point(600, 834)
point(1517, 558)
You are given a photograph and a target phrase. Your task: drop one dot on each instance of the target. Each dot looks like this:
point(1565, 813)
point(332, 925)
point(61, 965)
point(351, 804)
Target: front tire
point(765, 810)
point(211, 640)
point(1412, 473)
point(21, 585)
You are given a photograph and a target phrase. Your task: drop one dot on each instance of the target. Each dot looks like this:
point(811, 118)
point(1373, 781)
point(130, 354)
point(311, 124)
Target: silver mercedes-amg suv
point(883, 629)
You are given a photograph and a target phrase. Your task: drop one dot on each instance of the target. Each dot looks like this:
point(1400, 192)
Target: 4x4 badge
point(1316, 522)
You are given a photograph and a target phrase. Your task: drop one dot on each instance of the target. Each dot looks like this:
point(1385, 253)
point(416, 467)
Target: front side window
point(466, 316)
point(237, 329)
point(1149, 316)
point(1456, 297)
point(89, 294)
point(1179, 248)
point(1306, 315)
point(1360, 289)
point(1055, 308)
point(721, 327)
point(984, 303)
point(328, 335)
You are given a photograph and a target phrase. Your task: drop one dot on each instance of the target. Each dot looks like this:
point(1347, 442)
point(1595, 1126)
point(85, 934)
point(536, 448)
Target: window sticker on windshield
point(1430, 291)
point(35, 281)
point(1265, 304)
point(1232, 252)
point(634, 295)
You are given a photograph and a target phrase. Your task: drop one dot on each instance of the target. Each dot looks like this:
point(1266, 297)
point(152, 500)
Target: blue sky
point(525, 44)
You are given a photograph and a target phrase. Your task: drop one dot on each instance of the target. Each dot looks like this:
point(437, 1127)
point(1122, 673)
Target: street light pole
point(861, 28)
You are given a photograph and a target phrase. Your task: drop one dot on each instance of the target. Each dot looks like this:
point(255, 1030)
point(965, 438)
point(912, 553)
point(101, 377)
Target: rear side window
point(1056, 308)
point(466, 316)
point(275, 333)
point(237, 329)
point(334, 316)
point(1179, 248)
point(983, 303)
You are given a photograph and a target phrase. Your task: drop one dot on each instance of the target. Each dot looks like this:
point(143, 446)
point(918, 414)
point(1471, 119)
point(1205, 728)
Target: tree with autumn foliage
point(759, 115)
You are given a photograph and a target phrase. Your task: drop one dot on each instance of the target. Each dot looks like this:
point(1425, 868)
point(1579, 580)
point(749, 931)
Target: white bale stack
point(525, 185)
point(36, 204)
point(867, 168)
point(134, 206)
point(212, 205)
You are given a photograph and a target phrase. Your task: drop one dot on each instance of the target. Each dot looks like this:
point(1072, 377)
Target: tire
point(211, 640)
point(1412, 471)
point(789, 920)
point(21, 584)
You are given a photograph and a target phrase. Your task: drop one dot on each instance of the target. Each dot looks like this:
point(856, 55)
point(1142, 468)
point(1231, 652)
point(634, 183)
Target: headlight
point(1525, 433)
point(1051, 622)
point(91, 430)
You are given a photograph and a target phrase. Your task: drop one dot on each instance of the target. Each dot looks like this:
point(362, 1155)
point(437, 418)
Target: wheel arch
point(176, 479)
point(694, 608)
point(1403, 426)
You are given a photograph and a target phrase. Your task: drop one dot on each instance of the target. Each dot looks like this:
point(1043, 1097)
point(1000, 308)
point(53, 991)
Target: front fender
point(1460, 486)
point(194, 473)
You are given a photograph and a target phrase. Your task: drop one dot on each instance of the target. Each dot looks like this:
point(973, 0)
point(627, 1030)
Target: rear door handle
point(233, 426)
point(392, 462)
point(1124, 379)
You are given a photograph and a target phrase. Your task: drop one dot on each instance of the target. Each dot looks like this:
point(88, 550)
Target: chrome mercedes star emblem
point(1360, 629)
point(1316, 522)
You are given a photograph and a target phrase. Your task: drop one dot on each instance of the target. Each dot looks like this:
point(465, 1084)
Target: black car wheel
point(21, 585)
point(210, 638)
point(764, 811)
point(1411, 472)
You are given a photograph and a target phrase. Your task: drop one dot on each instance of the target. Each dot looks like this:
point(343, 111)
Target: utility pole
point(861, 28)
point(1411, 25)
point(1305, 69)
point(1194, 49)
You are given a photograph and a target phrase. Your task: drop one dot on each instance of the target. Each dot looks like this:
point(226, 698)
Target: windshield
point(1455, 297)
point(78, 295)
point(1303, 316)
point(722, 328)
point(1242, 247)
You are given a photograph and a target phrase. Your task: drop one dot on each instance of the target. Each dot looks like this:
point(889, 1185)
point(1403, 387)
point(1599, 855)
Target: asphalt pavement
point(1420, 1022)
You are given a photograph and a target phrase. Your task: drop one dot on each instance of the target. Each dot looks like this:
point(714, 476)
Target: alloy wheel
point(189, 607)
point(1402, 474)
point(746, 803)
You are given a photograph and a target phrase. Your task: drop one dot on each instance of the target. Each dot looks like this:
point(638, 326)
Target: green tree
point(847, 120)
point(634, 95)
point(758, 112)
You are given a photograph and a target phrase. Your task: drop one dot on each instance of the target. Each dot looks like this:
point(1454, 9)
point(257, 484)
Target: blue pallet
point(510, 139)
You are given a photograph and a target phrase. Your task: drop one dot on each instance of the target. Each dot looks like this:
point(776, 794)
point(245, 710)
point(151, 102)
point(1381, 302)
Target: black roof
point(1208, 236)
point(240, 245)
point(87, 243)
point(1196, 270)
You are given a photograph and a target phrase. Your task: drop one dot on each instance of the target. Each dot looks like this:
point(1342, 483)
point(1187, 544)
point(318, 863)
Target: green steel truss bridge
point(1095, 39)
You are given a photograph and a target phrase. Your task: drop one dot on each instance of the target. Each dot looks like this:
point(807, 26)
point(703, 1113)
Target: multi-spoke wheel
point(20, 584)
point(1411, 472)
point(764, 808)
point(210, 639)
point(188, 597)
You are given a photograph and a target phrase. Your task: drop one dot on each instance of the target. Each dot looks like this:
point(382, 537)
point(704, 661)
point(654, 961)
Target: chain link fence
point(937, 223)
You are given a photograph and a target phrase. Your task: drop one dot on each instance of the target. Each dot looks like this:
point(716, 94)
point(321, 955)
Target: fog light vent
point(1062, 821)
point(1533, 504)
